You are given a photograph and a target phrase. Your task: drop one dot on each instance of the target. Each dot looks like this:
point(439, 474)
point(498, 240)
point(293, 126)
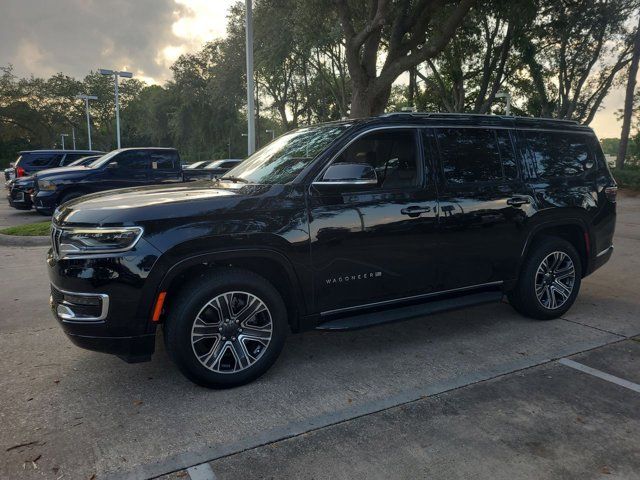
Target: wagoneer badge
point(353, 278)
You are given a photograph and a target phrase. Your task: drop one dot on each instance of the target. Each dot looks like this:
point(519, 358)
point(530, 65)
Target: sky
point(44, 37)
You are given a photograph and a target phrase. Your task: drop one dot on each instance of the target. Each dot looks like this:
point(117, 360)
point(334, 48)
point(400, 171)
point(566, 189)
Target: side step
point(364, 320)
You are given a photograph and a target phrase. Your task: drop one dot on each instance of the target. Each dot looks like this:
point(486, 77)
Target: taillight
point(611, 193)
point(20, 172)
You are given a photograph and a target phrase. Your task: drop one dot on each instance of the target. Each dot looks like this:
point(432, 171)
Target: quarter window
point(559, 154)
point(392, 153)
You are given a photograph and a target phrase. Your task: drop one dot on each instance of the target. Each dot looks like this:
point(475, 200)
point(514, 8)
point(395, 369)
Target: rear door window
point(471, 155)
point(39, 160)
point(559, 154)
point(164, 160)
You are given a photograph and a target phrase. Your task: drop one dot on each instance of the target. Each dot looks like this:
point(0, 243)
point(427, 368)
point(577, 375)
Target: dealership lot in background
point(80, 413)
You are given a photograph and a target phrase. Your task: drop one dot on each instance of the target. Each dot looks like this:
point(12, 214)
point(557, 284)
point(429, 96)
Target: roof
point(469, 119)
point(59, 150)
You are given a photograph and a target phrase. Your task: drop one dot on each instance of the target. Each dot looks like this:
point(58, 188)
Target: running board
point(364, 320)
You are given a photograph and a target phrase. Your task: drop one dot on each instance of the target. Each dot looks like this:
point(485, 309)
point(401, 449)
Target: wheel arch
point(574, 230)
point(271, 265)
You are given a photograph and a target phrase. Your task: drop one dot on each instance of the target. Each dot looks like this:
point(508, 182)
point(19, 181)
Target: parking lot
point(481, 392)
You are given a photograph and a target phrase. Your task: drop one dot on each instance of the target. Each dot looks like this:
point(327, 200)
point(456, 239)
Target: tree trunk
point(628, 101)
point(366, 101)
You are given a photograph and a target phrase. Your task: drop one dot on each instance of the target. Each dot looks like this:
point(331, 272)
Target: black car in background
point(21, 188)
point(32, 161)
point(211, 169)
point(127, 167)
point(335, 226)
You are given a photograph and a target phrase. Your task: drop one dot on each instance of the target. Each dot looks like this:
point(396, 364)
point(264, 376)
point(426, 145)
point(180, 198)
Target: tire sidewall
point(196, 295)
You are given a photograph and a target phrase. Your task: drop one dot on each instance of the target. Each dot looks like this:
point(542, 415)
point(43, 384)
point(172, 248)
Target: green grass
point(28, 230)
point(628, 177)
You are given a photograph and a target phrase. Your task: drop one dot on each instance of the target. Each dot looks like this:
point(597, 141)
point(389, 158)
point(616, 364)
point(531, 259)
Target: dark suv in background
point(127, 167)
point(32, 161)
point(335, 226)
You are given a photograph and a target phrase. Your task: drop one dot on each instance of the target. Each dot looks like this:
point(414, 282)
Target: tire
point(195, 314)
point(539, 295)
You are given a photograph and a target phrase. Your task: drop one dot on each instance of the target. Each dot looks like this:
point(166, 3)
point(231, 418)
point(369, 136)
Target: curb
point(24, 241)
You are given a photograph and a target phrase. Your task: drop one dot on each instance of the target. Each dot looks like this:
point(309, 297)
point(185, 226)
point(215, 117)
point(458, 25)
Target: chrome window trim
point(72, 318)
point(414, 297)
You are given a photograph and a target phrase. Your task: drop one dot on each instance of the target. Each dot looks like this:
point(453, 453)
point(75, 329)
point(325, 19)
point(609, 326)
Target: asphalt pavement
point(471, 393)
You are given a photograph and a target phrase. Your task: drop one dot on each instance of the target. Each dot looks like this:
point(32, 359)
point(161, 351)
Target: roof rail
point(453, 115)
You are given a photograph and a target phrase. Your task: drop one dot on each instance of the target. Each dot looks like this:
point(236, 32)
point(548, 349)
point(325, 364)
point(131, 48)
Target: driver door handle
point(518, 201)
point(415, 210)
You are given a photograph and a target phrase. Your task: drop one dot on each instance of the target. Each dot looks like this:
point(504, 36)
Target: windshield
point(103, 159)
point(284, 158)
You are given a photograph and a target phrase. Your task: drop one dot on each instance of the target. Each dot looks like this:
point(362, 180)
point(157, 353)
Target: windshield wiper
point(233, 179)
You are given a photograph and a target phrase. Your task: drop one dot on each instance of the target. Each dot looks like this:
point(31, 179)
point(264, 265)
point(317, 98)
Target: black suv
point(127, 167)
point(335, 226)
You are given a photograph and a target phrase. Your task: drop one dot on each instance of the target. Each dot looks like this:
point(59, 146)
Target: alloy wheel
point(554, 280)
point(231, 332)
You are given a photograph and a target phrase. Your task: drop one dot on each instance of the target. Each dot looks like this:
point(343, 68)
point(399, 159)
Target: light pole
point(506, 96)
point(251, 120)
point(86, 99)
point(62, 135)
point(273, 134)
point(116, 74)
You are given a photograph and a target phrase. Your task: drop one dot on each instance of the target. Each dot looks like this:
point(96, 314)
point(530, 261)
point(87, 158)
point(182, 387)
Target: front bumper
point(19, 199)
point(44, 202)
point(103, 303)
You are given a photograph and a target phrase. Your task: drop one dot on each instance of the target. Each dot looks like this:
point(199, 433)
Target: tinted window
point(133, 160)
point(392, 154)
point(228, 164)
point(164, 160)
point(470, 155)
point(559, 154)
point(40, 160)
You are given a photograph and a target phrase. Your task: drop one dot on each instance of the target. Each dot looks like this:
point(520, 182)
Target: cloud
point(76, 36)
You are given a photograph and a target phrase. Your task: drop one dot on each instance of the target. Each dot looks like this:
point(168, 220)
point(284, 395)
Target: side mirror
point(112, 165)
point(356, 175)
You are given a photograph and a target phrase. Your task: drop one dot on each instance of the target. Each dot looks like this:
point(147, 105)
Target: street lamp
point(251, 120)
point(86, 99)
point(116, 74)
point(507, 96)
point(273, 134)
point(62, 135)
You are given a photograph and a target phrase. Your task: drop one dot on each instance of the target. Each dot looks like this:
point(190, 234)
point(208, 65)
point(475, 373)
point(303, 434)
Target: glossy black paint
point(85, 180)
point(31, 161)
point(333, 252)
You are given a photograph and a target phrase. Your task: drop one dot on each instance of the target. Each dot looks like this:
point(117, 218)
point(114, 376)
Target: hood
point(143, 204)
point(60, 171)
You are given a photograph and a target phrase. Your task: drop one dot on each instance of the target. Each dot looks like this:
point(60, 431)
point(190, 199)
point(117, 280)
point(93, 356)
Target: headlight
point(46, 185)
point(79, 241)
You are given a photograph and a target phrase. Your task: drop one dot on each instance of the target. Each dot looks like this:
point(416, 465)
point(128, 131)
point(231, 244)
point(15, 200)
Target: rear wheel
point(226, 329)
point(549, 280)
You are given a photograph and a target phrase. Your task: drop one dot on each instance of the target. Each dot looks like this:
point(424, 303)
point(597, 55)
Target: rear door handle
point(518, 201)
point(415, 211)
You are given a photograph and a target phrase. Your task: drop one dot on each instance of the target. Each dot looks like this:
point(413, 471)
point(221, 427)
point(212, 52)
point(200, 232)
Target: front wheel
point(226, 329)
point(549, 280)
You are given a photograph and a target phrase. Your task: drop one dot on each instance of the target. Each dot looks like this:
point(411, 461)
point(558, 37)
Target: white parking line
point(600, 374)
point(201, 472)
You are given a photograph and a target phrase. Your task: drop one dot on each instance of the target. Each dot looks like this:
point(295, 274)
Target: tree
point(629, 100)
point(406, 33)
point(573, 51)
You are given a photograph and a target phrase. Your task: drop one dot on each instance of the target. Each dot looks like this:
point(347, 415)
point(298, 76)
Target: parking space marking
point(201, 472)
point(600, 374)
